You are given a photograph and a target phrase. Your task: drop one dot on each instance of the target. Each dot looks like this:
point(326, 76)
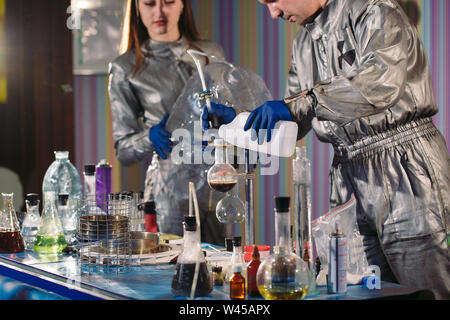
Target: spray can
point(103, 184)
point(337, 265)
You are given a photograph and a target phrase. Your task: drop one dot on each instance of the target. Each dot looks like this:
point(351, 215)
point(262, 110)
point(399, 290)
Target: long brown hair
point(135, 33)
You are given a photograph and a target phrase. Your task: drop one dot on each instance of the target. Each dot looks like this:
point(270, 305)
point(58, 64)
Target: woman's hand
point(160, 138)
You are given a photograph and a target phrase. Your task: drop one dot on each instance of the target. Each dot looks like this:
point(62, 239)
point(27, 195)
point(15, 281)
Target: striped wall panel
point(250, 37)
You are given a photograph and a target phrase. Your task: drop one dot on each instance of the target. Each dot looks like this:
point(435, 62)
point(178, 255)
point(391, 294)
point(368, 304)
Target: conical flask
point(32, 220)
point(10, 236)
point(63, 178)
point(50, 236)
point(183, 279)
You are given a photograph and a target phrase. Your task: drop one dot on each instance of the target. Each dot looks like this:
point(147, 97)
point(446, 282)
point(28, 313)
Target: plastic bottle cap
point(237, 241)
point(229, 244)
point(33, 198)
point(190, 223)
point(63, 198)
point(103, 163)
point(282, 203)
point(89, 169)
point(236, 268)
point(150, 207)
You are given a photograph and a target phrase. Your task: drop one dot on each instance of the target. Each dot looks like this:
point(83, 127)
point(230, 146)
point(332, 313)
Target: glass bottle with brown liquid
point(237, 284)
point(11, 240)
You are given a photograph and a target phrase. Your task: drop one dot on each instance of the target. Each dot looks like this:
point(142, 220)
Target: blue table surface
point(147, 282)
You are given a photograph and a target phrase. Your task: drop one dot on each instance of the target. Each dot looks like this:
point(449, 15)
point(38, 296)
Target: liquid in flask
point(50, 237)
point(11, 240)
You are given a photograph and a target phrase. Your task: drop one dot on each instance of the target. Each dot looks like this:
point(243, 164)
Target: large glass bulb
point(230, 210)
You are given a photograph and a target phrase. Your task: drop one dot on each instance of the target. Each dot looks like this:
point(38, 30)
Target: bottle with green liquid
point(50, 236)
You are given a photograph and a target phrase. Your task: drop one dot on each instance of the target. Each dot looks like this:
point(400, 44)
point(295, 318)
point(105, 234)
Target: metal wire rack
point(103, 234)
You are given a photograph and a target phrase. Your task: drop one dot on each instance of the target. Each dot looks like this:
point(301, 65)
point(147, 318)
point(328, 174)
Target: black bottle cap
point(150, 207)
point(282, 203)
point(190, 223)
point(89, 169)
point(237, 241)
point(229, 244)
point(62, 199)
point(33, 198)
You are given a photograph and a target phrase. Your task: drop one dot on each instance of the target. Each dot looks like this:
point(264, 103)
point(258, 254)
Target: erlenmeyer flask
point(10, 237)
point(50, 237)
point(186, 263)
point(32, 220)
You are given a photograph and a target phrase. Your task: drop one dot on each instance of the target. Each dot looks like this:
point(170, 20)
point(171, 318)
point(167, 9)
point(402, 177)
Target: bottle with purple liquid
point(103, 184)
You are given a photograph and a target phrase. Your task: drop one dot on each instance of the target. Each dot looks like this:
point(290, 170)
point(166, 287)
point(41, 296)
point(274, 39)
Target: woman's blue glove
point(265, 117)
point(160, 138)
point(224, 113)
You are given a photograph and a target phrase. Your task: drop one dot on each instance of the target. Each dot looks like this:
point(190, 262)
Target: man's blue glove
point(224, 113)
point(160, 138)
point(265, 117)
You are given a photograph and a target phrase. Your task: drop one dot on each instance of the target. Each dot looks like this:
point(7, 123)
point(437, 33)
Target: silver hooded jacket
point(140, 101)
point(360, 79)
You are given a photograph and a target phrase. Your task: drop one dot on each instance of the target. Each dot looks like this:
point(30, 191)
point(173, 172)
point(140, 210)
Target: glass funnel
point(283, 275)
point(50, 236)
point(10, 236)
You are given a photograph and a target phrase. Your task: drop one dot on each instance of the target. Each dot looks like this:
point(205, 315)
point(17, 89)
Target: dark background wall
point(37, 118)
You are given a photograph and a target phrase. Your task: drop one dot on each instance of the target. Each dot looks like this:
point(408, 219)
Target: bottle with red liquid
point(11, 240)
point(150, 217)
point(252, 269)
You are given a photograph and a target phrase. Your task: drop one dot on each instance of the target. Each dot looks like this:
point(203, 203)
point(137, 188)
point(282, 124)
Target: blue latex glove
point(160, 138)
point(225, 114)
point(265, 117)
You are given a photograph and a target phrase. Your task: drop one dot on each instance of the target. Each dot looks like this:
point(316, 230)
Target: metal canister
point(337, 265)
point(103, 173)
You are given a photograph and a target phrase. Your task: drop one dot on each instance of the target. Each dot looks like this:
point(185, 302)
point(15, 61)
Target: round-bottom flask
point(283, 275)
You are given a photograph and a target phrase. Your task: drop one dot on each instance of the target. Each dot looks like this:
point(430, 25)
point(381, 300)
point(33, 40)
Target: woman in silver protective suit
point(360, 79)
point(144, 84)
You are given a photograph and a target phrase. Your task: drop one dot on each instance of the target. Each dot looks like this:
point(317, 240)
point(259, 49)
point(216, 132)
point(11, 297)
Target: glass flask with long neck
point(283, 275)
point(11, 240)
point(31, 221)
point(50, 236)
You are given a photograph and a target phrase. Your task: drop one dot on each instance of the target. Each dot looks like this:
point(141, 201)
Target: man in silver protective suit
point(141, 103)
point(360, 79)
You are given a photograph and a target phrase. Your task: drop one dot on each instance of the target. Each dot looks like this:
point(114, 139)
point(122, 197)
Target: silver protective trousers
point(401, 180)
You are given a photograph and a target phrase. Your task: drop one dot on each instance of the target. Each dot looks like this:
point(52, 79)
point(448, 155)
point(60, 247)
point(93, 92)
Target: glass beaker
point(50, 236)
point(11, 240)
point(283, 275)
point(32, 220)
point(191, 254)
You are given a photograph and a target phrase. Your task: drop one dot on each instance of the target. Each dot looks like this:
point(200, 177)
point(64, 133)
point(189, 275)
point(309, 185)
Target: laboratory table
point(63, 276)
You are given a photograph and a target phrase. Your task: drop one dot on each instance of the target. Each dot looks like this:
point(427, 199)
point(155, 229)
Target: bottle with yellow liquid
point(50, 236)
point(283, 275)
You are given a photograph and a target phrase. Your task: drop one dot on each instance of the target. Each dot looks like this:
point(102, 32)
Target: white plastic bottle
point(282, 144)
